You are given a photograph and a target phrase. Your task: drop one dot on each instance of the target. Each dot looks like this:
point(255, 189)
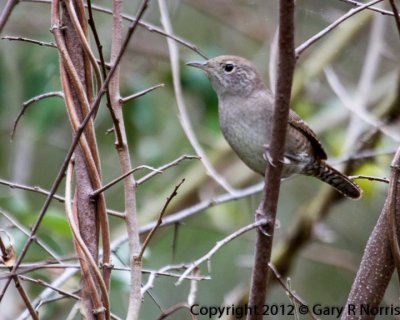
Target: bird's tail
point(333, 177)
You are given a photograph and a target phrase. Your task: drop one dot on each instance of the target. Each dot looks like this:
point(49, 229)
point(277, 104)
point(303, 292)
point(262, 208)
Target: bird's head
point(231, 75)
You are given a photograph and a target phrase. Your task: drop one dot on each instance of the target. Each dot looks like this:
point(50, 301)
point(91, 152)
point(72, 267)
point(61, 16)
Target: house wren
point(246, 107)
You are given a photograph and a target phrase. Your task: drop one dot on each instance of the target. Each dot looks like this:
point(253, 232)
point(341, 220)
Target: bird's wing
point(296, 122)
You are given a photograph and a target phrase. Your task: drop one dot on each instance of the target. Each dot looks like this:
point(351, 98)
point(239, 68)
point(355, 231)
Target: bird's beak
point(197, 64)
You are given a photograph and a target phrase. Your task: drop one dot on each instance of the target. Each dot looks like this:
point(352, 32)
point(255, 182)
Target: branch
point(40, 43)
point(370, 178)
point(293, 295)
point(7, 12)
point(358, 4)
point(396, 15)
point(39, 242)
point(159, 220)
point(268, 207)
point(148, 26)
point(113, 182)
point(27, 103)
point(377, 264)
point(322, 33)
point(124, 158)
point(141, 93)
point(219, 245)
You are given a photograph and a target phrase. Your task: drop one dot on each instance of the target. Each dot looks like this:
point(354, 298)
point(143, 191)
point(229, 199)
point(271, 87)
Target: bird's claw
point(267, 157)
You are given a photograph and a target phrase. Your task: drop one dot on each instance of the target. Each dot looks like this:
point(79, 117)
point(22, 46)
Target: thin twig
point(40, 243)
point(141, 93)
point(300, 49)
point(47, 193)
point(150, 27)
point(396, 15)
point(371, 178)
point(40, 43)
point(27, 103)
point(159, 220)
point(48, 285)
point(165, 167)
point(30, 267)
point(359, 4)
point(7, 12)
point(290, 292)
point(363, 114)
point(116, 180)
point(218, 246)
point(170, 311)
point(6, 256)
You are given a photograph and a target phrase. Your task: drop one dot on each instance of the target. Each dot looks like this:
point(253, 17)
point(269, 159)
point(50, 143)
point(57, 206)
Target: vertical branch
point(76, 78)
point(377, 264)
point(125, 161)
point(7, 12)
point(268, 207)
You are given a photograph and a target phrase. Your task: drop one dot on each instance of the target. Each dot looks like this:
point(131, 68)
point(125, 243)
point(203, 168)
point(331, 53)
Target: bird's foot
point(266, 225)
point(267, 157)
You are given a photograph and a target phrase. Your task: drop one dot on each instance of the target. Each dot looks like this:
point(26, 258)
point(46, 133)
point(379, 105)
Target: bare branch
point(359, 4)
point(159, 220)
point(26, 232)
point(268, 206)
point(170, 311)
point(363, 114)
point(377, 264)
point(7, 12)
point(396, 14)
point(146, 25)
point(165, 167)
point(40, 43)
point(371, 178)
point(300, 49)
point(113, 182)
point(218, 246)
point(290, 292)
point(27, 103)
point(141, 93)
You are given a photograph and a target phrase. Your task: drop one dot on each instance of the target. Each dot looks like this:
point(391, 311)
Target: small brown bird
point(245, 108)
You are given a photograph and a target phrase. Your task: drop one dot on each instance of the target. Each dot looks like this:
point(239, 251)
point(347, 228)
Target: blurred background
point(353, 67)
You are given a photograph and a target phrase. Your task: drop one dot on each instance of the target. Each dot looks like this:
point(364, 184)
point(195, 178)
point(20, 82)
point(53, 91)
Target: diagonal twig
point(27, 103)
point(141, 93)
point(160, 217)
point(218, 246)
point(300, 49)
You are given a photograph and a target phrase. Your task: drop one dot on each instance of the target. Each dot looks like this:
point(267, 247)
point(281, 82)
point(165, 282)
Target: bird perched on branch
point(246, 107)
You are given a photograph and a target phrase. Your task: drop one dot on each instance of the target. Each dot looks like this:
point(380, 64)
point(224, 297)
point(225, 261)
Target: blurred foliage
point(237, 27)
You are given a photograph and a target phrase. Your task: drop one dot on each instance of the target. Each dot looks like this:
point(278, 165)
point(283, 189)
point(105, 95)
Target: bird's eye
point(229, 67)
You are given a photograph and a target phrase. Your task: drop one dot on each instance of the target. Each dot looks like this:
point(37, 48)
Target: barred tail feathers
point(333, 177)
